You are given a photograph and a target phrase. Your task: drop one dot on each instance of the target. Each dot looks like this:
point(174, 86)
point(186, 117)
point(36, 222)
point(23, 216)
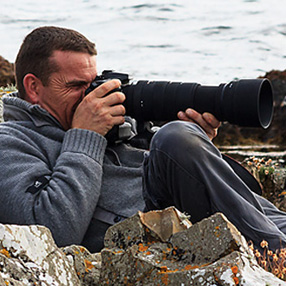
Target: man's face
point(66, 87)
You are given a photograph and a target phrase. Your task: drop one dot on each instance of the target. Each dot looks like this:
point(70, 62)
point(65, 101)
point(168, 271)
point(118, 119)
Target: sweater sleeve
point(67, 201)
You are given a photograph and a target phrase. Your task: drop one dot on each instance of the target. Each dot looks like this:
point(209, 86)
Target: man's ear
point(32, 86)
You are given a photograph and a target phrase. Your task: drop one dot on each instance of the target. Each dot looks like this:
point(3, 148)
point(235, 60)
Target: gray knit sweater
point(64, 179)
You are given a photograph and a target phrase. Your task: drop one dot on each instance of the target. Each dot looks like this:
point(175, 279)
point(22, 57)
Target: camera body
point(246, 102)
point(108, 75)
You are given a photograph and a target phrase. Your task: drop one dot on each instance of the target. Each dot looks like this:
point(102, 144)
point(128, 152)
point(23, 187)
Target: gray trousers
point(184, 169)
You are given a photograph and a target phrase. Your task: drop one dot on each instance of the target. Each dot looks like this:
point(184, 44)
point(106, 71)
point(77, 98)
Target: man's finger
point(114, 98)
point(106, 87)
point(182, 116)
point(211, 120)
point(117, 110)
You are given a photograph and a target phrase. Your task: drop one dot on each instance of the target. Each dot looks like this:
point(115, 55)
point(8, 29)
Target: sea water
point(204, 41)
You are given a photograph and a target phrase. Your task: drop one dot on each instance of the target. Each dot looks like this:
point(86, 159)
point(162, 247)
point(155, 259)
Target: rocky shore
point(155, 248)
point(159, 248)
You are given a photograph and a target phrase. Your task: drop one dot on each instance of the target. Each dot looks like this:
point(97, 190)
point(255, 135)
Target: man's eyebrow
point(76, 83)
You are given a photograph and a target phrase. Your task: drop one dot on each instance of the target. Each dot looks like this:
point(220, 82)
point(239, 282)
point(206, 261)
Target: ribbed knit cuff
point(84, 141)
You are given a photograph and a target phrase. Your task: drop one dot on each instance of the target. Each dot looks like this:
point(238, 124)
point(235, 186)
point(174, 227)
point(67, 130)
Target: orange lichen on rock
point(88, 265)
point(234, 269)
point(217, 232)
point(236, 280)
point(191, 267)
point(5, 252)
point(163, 269)
point(188, 267)
point(142, 247)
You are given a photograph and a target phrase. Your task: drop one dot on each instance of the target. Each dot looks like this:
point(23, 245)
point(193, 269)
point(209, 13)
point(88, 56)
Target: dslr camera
point(245, 102)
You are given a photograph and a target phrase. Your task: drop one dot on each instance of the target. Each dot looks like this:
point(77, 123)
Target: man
point(58, 170)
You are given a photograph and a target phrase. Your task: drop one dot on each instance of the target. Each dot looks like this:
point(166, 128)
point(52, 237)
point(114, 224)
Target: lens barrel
point(246, 102)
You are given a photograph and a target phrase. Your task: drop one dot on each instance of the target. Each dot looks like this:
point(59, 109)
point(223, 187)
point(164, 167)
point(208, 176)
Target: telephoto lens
point(246, 102)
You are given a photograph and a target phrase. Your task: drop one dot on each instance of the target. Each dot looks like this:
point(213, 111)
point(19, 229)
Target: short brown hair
point(37, 48)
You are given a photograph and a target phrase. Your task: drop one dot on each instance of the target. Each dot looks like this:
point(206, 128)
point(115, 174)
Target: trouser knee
point(177, 137)
point(171, 176)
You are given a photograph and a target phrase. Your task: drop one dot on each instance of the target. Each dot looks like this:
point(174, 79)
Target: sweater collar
point(17, 109)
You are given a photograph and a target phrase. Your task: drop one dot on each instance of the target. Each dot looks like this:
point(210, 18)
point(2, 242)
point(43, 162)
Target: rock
point(157, 224)
point(154, 248)
point(29, 255)
point(211, 252)
point(7, 75)
point(86, 265)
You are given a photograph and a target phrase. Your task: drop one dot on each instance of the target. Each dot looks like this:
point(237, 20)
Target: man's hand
point(100, 112)
point(206, 120)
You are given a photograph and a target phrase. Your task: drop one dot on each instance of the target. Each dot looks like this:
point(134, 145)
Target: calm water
point(189, 40)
